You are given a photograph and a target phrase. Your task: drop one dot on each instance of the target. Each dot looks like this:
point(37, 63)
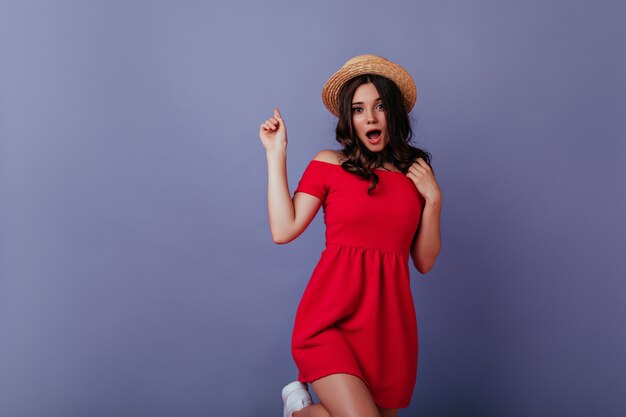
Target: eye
point(356, 109)
point(380, 106)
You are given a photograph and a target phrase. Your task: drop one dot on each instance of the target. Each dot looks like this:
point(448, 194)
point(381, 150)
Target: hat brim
point(368, 64)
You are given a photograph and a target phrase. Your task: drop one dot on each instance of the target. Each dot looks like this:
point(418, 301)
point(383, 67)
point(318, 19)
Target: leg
point(388, 412)
point(318, 410)
point(344, 395)
point(313, 410)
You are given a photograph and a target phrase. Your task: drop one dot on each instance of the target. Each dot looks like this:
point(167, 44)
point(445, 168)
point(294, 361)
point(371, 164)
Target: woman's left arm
point(427, 241)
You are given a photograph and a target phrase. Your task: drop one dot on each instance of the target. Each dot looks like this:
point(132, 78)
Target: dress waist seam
point(369, 248)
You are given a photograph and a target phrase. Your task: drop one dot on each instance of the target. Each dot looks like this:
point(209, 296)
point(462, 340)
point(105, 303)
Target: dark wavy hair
point(359, 160)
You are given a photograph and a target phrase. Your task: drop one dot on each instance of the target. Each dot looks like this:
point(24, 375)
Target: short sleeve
point(314, 180)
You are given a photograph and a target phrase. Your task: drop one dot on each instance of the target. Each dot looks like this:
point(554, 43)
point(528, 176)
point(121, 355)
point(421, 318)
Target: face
point(368, 118)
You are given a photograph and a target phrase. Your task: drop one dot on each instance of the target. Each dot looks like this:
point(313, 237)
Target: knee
point(343, 410)
point(313, 410)
point(355, 413)
point(355, 410)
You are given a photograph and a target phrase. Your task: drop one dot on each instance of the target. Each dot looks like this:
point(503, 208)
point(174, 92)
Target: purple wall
point(137, 272)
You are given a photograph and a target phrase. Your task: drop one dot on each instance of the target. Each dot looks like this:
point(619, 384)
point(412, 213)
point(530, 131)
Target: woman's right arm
point(288, 217)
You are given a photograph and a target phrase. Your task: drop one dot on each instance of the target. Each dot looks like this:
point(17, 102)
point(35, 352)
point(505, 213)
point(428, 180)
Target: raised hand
point(273, 132)
point(424, 179)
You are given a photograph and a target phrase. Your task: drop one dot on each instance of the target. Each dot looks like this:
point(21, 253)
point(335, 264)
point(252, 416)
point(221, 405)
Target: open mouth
point(373, 135)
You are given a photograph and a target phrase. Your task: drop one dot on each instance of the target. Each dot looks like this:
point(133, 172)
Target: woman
point(355, 332)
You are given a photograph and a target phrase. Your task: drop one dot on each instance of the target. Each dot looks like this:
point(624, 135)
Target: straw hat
point(368, 64)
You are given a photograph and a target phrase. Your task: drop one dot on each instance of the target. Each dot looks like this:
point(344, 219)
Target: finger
point(416, 169)
point(423, 163)
point(280, 119)
point(279, 122)
point(277, 113)
point(415, 178)
point(419, 166)
point(425, 167)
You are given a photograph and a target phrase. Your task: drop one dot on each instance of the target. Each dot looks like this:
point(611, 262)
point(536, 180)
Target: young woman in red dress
point(355, 331)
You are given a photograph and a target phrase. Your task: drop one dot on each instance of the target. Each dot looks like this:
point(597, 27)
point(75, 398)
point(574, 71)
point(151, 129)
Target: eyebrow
point(360, 102)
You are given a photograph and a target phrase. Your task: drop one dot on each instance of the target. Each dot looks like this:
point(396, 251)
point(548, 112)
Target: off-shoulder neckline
point(375, 169)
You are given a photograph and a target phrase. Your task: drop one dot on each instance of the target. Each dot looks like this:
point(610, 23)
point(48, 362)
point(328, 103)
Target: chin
point(374, 148)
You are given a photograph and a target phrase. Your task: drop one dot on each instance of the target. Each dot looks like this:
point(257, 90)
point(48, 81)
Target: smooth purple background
point(138, 276)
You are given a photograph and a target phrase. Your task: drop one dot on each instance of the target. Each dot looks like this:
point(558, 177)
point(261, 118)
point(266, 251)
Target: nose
point(371, 117)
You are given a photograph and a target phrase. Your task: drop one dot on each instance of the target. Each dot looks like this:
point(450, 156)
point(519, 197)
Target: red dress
point(356, 315)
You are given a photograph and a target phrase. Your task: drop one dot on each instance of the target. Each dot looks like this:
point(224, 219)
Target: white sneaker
point(295, 397)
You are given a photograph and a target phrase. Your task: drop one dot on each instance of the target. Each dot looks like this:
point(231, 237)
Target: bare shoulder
point(328, 155)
